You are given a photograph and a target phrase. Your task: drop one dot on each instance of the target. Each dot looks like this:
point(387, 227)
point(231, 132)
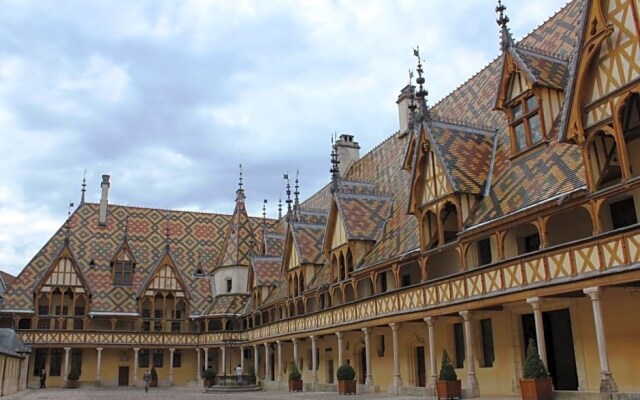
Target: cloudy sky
point(168, 97)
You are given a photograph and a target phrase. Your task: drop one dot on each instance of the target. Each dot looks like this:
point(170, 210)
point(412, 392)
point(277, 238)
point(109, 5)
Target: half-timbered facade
point(505, 212)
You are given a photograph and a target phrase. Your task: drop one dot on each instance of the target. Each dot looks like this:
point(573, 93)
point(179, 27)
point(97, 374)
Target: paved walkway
point(188, 393)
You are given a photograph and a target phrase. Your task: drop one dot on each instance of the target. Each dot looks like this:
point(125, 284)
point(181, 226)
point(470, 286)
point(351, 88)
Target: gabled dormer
point(123, 265)
point(62, 296)
point(601, 112)
point(530, 91)
point(164, 297)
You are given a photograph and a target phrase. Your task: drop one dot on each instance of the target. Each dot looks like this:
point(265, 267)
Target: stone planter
point(536, 389)
point(347, 387)
point(295, 386)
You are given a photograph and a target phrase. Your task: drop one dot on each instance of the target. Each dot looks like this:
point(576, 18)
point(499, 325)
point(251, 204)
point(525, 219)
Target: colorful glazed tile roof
point(545, 70)
point(195, 238)
point(266, 270)
point(228, 304)
point(239, 241)
point(273, 244)
point(7, 278)
point(308, 241)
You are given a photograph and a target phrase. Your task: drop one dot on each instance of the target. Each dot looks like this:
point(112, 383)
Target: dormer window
point(123, 272)
point(525, 123)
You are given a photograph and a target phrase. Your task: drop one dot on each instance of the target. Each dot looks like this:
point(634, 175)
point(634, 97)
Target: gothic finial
point(335, 170)
point(240, 192)
point(240, 179)
point(505, 40)
point(296, 194)
point(264, 211)
point(288, 192)
point(412, 103)
point(84, 187)
point(279, 207)
point(422, 93)
point(67, 225)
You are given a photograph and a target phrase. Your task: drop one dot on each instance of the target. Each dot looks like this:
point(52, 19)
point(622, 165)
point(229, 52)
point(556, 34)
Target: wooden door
point(123, 376)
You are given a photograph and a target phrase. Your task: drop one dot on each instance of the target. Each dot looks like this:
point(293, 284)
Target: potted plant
point(448, 386)
point(154, 377)
point(295, 379)
point(208, 377)
point(72, 378)
point(346, 379)
point(252, 376)
point(535, 383)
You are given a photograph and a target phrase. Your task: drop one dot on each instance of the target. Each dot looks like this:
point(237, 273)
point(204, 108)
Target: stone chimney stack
point(348, 152)
point(104, 200)
point(406, 94)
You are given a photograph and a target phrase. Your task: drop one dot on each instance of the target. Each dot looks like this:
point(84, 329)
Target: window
point(175, 327)
point(623, 213)
point(229, 285)
point(177, 358)
point(406, 280)
point(531, 243)
point(146, 326)
point(40, 361)
point(56, 362)
point(525, 123)
point(458, 337)
point(24, 323)
point(484, 251)
point(157, 326)
point(383, 282)
point(122, 273)
point(486, 333)
point(43, 310)
point(157, 358)
point(143, 358)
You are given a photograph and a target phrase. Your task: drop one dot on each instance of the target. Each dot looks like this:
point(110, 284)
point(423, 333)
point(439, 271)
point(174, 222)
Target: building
point(14, 363)
point(507, 211)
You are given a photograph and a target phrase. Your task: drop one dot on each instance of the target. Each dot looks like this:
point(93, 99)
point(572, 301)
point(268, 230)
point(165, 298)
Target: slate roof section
point(266, 269)
point(11, 345)
point(195, 238)
point(228, 304)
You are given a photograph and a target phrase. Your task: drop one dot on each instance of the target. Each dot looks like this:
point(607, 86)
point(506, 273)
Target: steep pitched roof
point(7, 278)
point(11, 345)
point(239, 239)
point(228, 304)
point(266, 269)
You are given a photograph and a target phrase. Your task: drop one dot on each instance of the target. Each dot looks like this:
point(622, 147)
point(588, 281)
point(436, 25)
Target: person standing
point(239, 373)
point(43, 379)
point(146, 377)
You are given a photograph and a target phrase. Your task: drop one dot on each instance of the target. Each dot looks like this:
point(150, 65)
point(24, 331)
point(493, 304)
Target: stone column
point(607, 384)
point(367, 352)
point(171, 351)
point(536, 302)
point(135, 365)
point(279, 342)
point(223, 361)
point(255, 360)
point(242, 360)
point(206, 358)
point(473, 388)
point(66, 363)
point(295, 353)
point(431, 328)
point(198, 368)
point(267, 364)
point(314, 362)
point(397, 379)
point(98, 362)
point(339, 335)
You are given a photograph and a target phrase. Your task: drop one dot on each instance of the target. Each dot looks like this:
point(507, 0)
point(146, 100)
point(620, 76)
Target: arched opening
point(482, 252)
point(443, 264)
point(604, 161)
point(292, 309)
point(312, 305)
point(410, 274)
point(301, 279)
point(295, 287)
point(520, 240)
point(342, 267)
point(450, 226)
point(215, 325)
point(349, 263)
point(577, 218)
point(620, 211)
point(429, 231)
point(335, 269)
point(385, 281)
point(364, 288)
point(292, 292)
point(349, 294)
point(336, 296)
point(630, 122)
point(299, 307)
point(265, 317)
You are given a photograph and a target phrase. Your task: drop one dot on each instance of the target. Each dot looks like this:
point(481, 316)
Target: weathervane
point(422, 93)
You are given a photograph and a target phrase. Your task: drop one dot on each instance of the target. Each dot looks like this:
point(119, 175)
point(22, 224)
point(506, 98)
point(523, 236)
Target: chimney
point(348, 152)
point(104, 200)
point(406, 94)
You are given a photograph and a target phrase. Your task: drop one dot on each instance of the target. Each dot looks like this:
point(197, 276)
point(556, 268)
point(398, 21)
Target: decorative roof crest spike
point(84, 187)
point(288, 192)
point(240, 179)
point(412, 104)
point(335, 170)
point(67, 225)
point(264, 211)
point(505, 38)
point(422, 93)
point(240, 192)
point(296, 196)
point(280, 207)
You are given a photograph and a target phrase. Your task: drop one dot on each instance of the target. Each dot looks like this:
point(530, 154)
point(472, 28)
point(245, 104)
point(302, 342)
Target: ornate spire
point(335, 170)
point(505, 35)
point(422, 93)
point(240, 192)
point(264, 211)
point(412, 103)
point(279, 207)
point(296, 197)
point(84, 187)
point(288, 192)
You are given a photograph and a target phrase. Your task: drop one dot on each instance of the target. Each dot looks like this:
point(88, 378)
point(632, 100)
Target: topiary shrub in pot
point(346, 379)
point(448, 386)
point(535, 383)
point(208, 377)
point(295, 379)
point(154, 377)
point(72, 378)
point(252, 376)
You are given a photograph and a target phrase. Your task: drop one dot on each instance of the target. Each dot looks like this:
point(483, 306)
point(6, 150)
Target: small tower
point(506, 40)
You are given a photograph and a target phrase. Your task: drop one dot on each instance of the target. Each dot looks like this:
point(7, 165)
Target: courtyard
point(187, 393)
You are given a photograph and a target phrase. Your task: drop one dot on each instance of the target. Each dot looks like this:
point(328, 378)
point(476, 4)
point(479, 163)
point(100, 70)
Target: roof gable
point(64, 271)
point(164, 277)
